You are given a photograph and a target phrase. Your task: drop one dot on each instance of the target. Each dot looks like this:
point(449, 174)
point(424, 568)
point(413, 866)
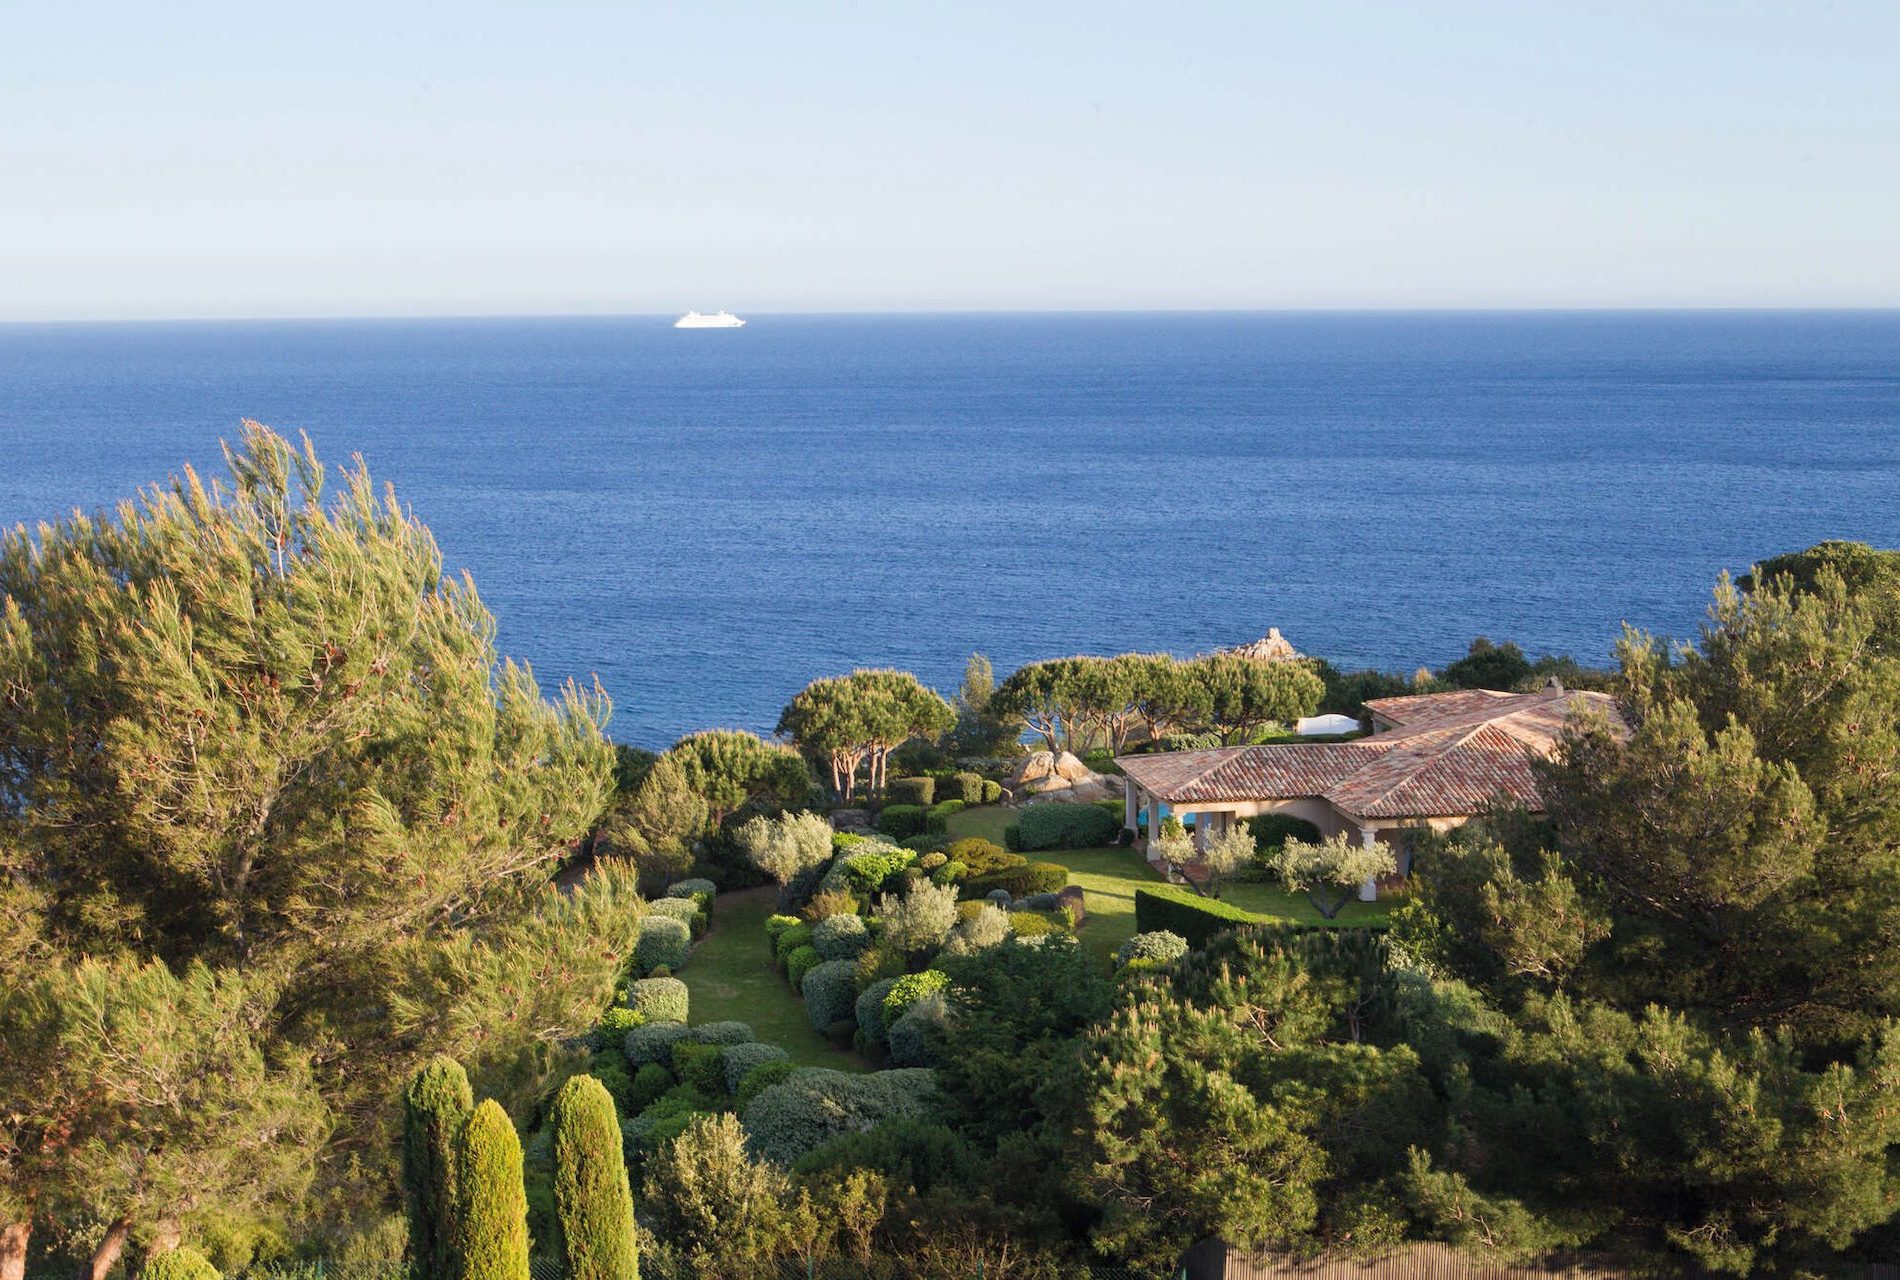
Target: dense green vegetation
point(319, 940)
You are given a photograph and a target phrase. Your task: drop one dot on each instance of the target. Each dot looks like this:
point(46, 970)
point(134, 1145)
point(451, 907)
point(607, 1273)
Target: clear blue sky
point(213, 159)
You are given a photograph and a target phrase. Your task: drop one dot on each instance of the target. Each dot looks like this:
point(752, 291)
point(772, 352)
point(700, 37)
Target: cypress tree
point(491, 1220)
point(592, 1201)
point(435, 1107)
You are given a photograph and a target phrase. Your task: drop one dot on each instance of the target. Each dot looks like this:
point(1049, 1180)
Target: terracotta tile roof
point(1449, 757)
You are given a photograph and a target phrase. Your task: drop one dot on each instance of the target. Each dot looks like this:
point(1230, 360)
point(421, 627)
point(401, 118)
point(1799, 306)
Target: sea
point(706, 520)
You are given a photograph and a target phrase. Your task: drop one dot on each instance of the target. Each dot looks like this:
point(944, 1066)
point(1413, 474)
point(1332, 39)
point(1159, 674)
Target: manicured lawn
point(1109, 878)
point(730, 976)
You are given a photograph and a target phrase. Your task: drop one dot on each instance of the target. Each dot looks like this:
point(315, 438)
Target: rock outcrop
point(1048, 775)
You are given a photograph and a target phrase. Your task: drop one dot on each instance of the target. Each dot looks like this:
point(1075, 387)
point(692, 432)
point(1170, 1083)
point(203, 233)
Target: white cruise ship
point(718, 320)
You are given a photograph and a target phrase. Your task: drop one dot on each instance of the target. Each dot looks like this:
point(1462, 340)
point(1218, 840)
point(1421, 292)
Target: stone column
point(1129, 805)
point(1369, 891)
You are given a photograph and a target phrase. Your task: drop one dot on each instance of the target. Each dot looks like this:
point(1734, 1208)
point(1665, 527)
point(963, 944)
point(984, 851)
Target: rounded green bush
point(830, 990)
point(763, 1077)
point(650, 1084)
point(182, 1263)
point(791, 939)
point(967, 787)
point(654, 1042)
point(680, 909)
point(932, 860)
point(992, 791)
point(658, 999)
point(801, 962)
point(920, 792)
point(776, 925)
point(840, 937)
point(693, 887)
point(899, 821)
point(663, 941)
point(1157, 945)
point(909, 989)
point(740, 1060)
point(700, 1065)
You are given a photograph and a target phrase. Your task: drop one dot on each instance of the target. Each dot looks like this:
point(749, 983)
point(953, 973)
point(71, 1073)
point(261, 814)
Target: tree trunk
point(103, 1258)
point(13, 1241)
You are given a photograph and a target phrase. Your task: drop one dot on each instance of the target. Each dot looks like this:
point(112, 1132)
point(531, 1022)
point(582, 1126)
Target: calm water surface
point(708, 519)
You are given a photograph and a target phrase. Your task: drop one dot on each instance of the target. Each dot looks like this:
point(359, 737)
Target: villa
point(1435, 760)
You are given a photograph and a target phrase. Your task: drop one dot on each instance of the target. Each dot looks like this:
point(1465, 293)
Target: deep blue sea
point(709, 519)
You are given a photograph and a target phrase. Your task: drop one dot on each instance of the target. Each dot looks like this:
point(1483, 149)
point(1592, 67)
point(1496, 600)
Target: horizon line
point(922, 312)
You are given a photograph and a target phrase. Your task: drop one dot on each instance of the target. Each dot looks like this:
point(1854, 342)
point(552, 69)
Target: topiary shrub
point(800, 963)
point(776, 925)
point(840, 937)
point(739, 1060)
point(909, 989)
point(830, 990)
point(436, 1103)
point(1039, 902)
point(693, 887)
point(932, 860)
point(593, 1202)
point(761, 1078)
point(1182, 911)
point(899, 821)
point(870, 1011)
point(653, 1042)
point(1013, 837)
point(650, 1083)
point(1000, 897)
point(1159, 945)
point(992, 791)
point(683, 910)
point(790, 940)
point(1018, 881)
point(613, 1027)
point(181, 1263)
point(930, 842)
point(1035, 924)
point(949, 873)
point(491, 1235)
point(609, 1066)
point(658, 999)
point(722, 1033)
point(1065, 826)
point(908, 791)
point(915, 1037)
point(967, 787)
point(813, 1105)
point(865, 870)
point(982, 856)
point(663, 941)
point(700, 1065)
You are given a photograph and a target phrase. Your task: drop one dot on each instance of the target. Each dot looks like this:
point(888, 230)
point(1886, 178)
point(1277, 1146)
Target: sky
point(233, 160)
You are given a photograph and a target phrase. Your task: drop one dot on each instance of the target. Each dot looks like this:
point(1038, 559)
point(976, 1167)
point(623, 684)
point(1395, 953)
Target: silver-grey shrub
point(692, 888)
point(741, 1058)
point(1158, 945)
point(831, 992)
point(840, 937)
point(722, 1033)
point(654, 1042)
point(680, 909)
point(814, 1105)
point(870, 1010)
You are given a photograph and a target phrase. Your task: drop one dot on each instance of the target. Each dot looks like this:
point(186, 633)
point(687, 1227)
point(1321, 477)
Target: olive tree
point(1330, 871)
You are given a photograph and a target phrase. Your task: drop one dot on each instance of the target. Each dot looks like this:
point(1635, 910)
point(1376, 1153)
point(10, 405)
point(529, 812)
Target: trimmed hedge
point(693, 887)
point(870, 1010)
point(658, 999)
point(831, 991)
point(801, 962)
point(840, 937)
point(992, 791)
point(684, 910)
point(740, 1059)
point(1065, 826)
point(701, 1066)
point(1165, 908)
point(813, 1105)
point(654, 1042)
point(900, 821)
point(663, 941)
point(776, 925)
point(650, 1083)
point(722, 1033)
point(790, 939)
point(1018, 882)
point(917, 791)
point(913, 1037)
point(1271, 830)
point(967, 787)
